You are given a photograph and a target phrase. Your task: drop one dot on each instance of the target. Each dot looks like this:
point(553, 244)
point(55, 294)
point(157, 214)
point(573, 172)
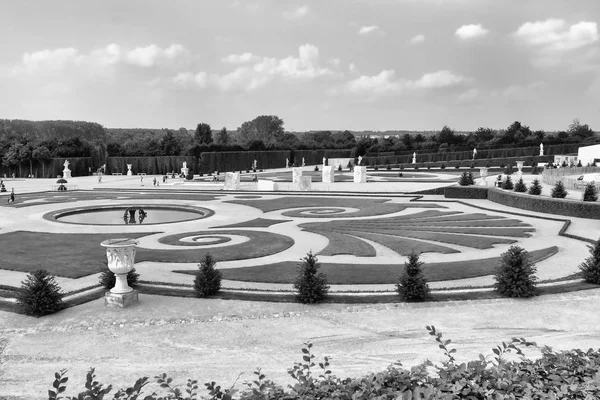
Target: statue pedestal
point(296, 174)
point(266, 185)
point(120, 254)
point(185, 171)
point(232, 181)
point(129, 173)
point(120, 300)
point(303, 183)
point(328, 174)
point(66, 174)
point(360, 174)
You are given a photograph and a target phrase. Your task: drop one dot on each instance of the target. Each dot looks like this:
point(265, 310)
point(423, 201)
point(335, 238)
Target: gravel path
point(217, 340)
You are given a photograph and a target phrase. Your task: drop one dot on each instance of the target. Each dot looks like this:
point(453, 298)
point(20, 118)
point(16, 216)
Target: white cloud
point(521, 92)
point(152, 55)
point(468, 96)
point(255, 74)
point(382, 83)
point(334, 61)
point(44, 60)
point(555, 35)
point(239, 58)
point(471, 31)
point(370, 30)
point(417, 39)
point(297, 13)
point(436, 80)
point(353, 68)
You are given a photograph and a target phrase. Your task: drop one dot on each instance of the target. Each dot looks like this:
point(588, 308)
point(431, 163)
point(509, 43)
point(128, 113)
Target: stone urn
point(120, 254)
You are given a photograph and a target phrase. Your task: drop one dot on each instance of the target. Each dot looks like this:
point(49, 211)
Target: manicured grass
point(78, 255)
point(421, 232)
point(347, 274)
point(366, 207)
point(255, 223)
point(70, 255)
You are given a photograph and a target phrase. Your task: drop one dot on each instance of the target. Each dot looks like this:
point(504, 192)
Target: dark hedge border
point(466, 192)
point(566, 207)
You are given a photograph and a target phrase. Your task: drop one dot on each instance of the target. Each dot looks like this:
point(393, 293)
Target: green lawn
point(78, 255)
point(348, 274)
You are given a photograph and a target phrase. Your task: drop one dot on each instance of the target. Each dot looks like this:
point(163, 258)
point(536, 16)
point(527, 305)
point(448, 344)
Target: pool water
point(116, 216)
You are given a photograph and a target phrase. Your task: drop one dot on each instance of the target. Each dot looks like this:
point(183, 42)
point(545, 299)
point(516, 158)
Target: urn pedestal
point(120, 254)
point(360, 174)
point(129, 172)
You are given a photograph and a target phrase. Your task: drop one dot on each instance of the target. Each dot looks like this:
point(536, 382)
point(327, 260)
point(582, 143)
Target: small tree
point(590, 193)
point(508, 170)
point(470, 178)
point(108, 279)
point(535, 188)
point(208, 278)
point(591, 266)
point(412, 285)
point(464, 179)
point(508, 184)
point(558, 191)
point(520, 186)
point(39, 294)
point(515, 277)
point(310, 283)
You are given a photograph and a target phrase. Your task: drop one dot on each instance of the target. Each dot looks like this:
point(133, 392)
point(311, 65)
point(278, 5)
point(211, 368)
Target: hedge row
point(79, 166)
point(479, 162)
point(466, 192)
point(570, 208)
point(149, 165)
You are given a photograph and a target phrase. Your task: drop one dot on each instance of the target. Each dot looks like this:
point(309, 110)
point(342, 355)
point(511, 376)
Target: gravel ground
point(218, 340)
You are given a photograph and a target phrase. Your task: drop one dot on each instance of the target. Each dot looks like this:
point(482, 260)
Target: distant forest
point(24, 141)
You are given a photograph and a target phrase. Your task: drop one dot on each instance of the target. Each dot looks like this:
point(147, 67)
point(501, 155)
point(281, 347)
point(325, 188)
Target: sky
point(329, 64)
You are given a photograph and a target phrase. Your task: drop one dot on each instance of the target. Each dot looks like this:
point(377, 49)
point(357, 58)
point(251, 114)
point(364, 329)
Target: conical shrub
point(590, 193)
point(412, 285)
point(559, 191)
point(208, 278)
point(39, 294)
point(535, 188)
point(508, 184)
point(311, 285)
point(515, 277)
point(590, 268)
point(520, 186)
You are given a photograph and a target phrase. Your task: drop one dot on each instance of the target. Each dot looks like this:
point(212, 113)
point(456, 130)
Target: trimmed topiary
point(443, 166)
point(108, 279)
point(208, 278)
point(464, 179)
point(508, 170)
point(470, 179)
point(316, 168)
point(590, 268)
point(520, 186)
point(412, 285)
point(39, 294)
point(515, 277)
point(310, 283)
point(535, 188)
point(508, 184)
point(559, 191)
point(190, 176)
point(389, 167)
point(535, 170)
point(590, 193)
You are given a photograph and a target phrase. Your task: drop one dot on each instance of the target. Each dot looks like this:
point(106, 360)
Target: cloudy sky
point(328, 64)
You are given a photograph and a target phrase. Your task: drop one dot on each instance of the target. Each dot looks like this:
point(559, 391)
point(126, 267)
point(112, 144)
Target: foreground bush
point(108, 279)
point(208, 278)
point(559, 191)
point(39, 294)
point(412, 285)
point(508, 374)
point(508, 184)
point(515, 277)
point(590, 193)
point(591, 266)
point(310, 283)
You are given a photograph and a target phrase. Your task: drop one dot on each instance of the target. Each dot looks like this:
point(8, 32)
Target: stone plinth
point(360, 174)
point(296, 174)
point(129, 172)
point(232, 181)
point(266, 185)
point(303, 183)
point(328, 174)
point(120, 254)
point(185, 171)
point(483, 173)
point(520, 167)
point(120, 300)
point(67, 174)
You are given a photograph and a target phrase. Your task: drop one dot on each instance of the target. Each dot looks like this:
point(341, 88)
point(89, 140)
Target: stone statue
point(474, 153)
point(255, 163)
point(414, 160)
point(287, 162)
point(541, 149)
point(66, 164)
point(324, 160)
point(359, 160)
point(184, 164)
point(303, 163)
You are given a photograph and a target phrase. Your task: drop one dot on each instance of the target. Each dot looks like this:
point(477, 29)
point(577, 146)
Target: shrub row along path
point(217, 340)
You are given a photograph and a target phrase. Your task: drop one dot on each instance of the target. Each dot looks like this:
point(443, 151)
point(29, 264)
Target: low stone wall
point(569, 176)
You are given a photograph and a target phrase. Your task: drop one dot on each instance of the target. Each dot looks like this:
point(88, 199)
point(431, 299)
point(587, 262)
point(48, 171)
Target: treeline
point(29, 143)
